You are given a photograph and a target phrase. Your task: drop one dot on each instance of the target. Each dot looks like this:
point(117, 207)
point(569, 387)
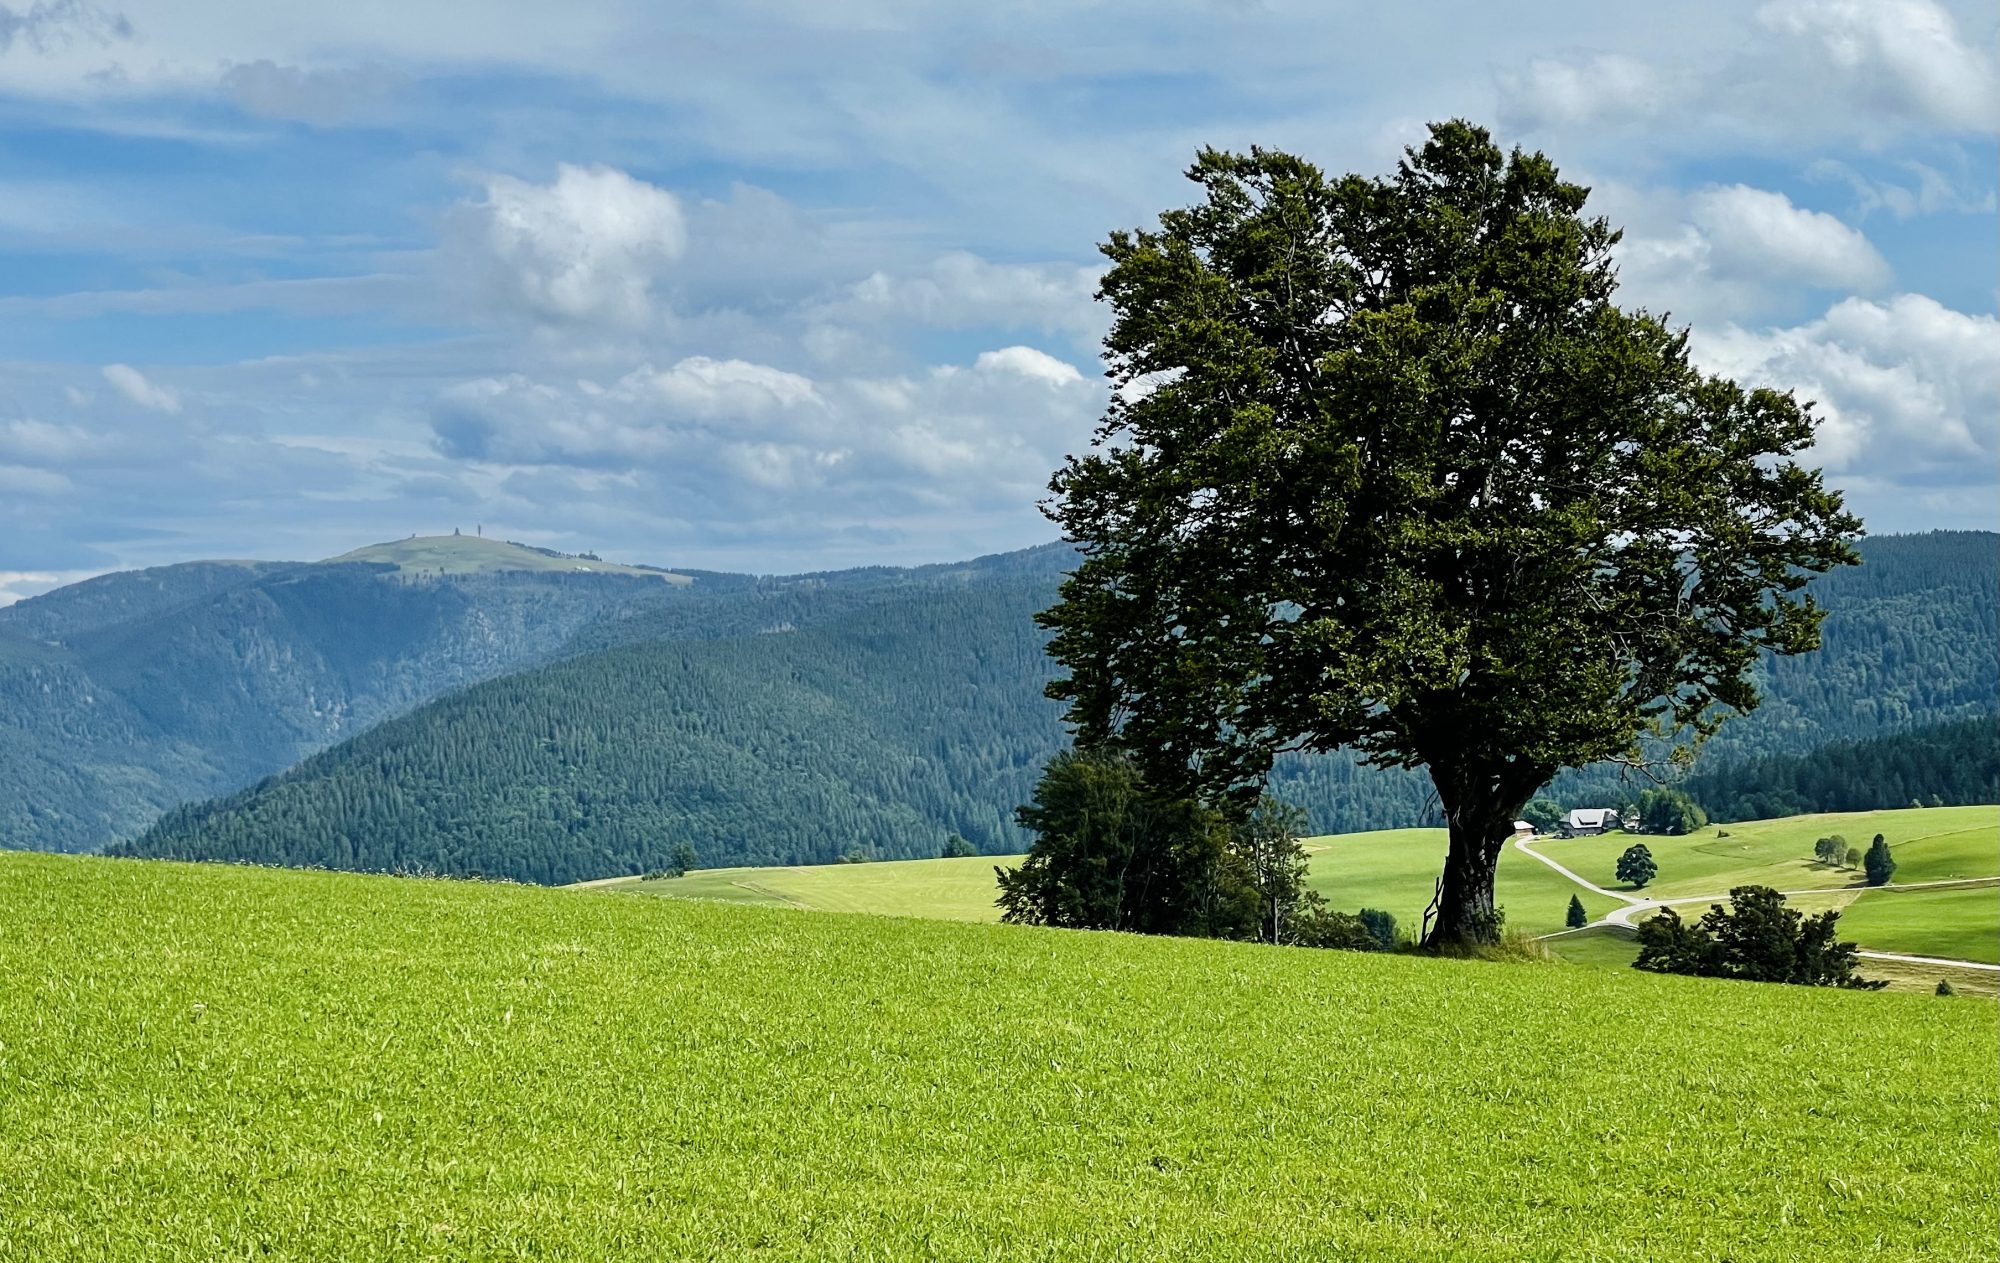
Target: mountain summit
point(474, 554)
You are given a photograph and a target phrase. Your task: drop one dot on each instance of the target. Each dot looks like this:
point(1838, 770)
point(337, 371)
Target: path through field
point(1631, 906)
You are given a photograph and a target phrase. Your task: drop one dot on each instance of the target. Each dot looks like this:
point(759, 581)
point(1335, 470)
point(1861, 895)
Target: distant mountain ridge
point(123, 695)
point(879, 711)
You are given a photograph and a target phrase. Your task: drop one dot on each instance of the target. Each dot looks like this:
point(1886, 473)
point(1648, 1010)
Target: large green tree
point(1386, 468)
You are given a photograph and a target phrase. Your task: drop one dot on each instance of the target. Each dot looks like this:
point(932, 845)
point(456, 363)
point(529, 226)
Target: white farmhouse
point(1585, 821)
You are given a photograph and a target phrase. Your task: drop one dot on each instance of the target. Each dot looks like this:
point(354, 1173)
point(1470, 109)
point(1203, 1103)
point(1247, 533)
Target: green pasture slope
point(205, 1062)
point(1930, 844)
point(949, 890)
point(1396, 869)
point(1392, 869)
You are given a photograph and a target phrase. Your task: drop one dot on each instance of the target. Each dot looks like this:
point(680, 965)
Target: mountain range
point(461, 705)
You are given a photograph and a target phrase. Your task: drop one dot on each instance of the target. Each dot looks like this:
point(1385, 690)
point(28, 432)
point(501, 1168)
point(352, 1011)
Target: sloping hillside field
point(209, 1062)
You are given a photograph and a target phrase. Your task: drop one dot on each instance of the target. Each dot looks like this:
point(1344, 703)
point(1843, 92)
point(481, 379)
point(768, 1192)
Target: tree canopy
point(1385, 468)
point(1757, 937)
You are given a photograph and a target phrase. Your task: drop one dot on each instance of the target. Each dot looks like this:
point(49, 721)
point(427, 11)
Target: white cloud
point(961, 290)
point(1027, 362)
point(132, 384)
point(702, 387)
point(723, 434)
point(1928, 191)
point(1909, 391)
point(321, 96)
point(1599, 89)
point(1900, 56)
point(1734, 254)
point(1760, 233)
point(588, 246)
point(1804, 71)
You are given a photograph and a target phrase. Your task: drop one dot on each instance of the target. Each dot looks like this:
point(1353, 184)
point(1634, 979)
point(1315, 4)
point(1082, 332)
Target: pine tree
point(1576, 918)
point(1879, 864)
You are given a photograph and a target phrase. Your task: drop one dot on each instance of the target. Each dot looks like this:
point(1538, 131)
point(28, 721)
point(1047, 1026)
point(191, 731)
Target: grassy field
point(1394, 870)
point(216, 1062)
point(471, 554)
point(1930, 844)
point(1397, 869)
point(950, 890)
point(1960, 922)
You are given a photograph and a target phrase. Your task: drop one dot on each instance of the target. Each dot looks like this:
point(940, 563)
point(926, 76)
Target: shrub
point(1322, 927)
point(956, 848)
point(1382, 925)
point(1757, 938)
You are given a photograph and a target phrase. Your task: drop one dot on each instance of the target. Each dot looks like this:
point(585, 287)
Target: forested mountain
point(125, 694)
point(1945, 765)
point(879, 714)
point(1911, 637)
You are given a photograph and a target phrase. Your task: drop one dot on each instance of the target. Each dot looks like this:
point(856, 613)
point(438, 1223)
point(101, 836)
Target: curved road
point(1632, 906)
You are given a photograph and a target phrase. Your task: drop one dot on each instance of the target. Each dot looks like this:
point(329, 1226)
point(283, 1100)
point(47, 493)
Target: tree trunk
point(1465, 915)
point(1479, 808)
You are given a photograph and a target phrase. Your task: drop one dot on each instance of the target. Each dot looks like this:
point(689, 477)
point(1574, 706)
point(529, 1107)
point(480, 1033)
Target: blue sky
point(786, 285)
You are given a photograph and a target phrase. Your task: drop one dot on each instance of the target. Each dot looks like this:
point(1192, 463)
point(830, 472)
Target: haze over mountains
point(552, 718)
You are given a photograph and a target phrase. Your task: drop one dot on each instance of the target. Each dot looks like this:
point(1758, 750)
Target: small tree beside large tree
point(1385, 468)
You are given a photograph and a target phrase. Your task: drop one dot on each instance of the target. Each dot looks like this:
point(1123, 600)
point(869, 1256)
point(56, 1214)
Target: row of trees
point(1878, 864)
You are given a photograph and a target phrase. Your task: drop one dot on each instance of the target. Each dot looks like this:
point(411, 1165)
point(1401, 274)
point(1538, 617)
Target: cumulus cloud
point(1761, 233)
point(725, 433)
point(132, 384)
point(1026, 361)
point(1807, 68)
point(1736, 253)
point(588, 246)
point(1598, 89)
point(1926, 191)
point(1908, 389)
point(1904, 57)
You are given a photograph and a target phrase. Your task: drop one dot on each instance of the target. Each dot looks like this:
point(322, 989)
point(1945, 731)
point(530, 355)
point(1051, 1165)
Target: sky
point(785, 285)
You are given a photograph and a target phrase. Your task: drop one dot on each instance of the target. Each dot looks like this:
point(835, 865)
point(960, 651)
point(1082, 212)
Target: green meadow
point(1397, 869)
point(1930, 844)
point(951, 890)
point(1392, 869)
point(208, 1062)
